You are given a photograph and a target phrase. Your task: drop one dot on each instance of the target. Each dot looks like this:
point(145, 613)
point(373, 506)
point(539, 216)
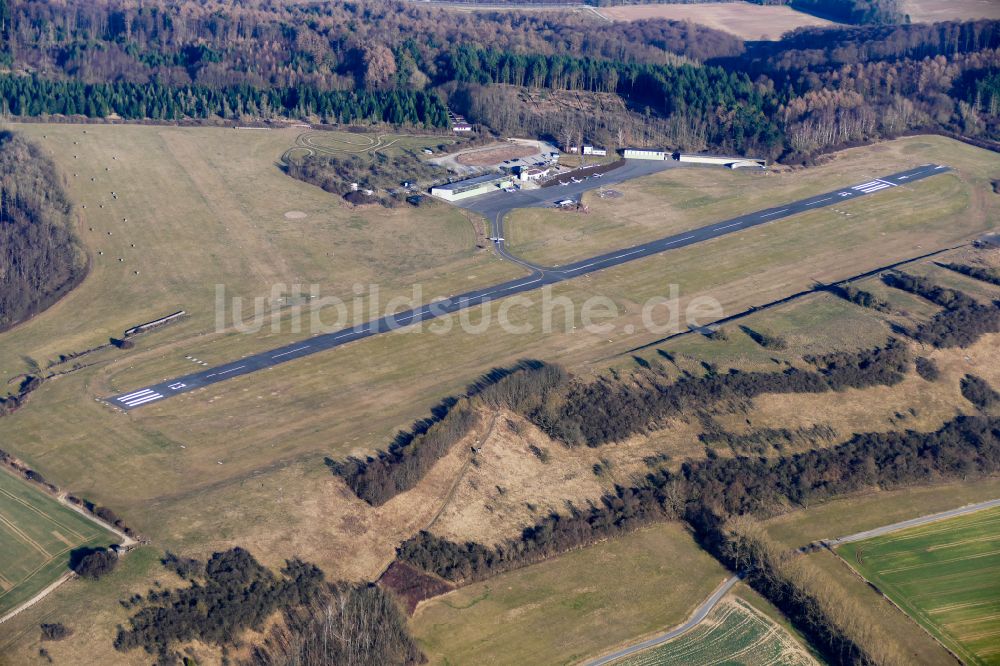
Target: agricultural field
point(945, 575)
point(744, 19)
point(932, 11)
point(684, 198)
point(38, 534)
point(574, 606)
point(733, 633)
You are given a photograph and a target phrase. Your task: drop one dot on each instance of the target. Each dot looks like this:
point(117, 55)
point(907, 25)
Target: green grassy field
point(946, 576)
point(733, 633)
point(38, 534)
point(677, 200)
point(573, 606)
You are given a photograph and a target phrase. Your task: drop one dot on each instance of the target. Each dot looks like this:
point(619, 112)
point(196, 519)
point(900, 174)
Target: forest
point(231, 592)
point(41, 258)
point(383, 61)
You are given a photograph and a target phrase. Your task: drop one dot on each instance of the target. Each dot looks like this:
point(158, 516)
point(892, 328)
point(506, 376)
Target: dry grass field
point(743, 19)
point(945, 576)
point(573, 606)
point(932, 11)
point(241, 463)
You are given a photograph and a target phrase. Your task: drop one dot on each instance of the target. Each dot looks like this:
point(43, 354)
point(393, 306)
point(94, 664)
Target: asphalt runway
point(495, 206)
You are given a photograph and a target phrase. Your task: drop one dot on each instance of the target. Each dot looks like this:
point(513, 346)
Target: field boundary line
point(38, 597)
point(831, 544)
point(696, 617)
point(912, 522)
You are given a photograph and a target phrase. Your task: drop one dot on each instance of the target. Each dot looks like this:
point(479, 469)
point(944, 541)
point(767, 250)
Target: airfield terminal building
point(472, 187)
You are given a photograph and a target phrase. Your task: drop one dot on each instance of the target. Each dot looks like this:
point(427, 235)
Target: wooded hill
point(683, 85)
point(40, 256)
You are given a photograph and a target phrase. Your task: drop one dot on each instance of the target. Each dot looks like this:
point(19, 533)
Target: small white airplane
point(497, 239)
point(563, 183)
point(598, 175)
point(577, 180)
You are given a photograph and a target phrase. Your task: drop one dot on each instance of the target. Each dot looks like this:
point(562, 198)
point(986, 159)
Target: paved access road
point(700, 614)
point(913, 522)
point(497, 205)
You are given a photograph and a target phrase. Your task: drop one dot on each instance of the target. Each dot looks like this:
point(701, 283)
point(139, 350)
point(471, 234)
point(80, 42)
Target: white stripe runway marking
point(290, 351)
point(226, 372)
point(143, 400)
point(774, 212)
point(134, 395)
point(813, 203)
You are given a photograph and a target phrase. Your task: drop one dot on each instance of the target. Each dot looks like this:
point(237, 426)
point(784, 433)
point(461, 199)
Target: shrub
point(55, 631)
point(979, 392)
point(927, 368)
point(93, 563)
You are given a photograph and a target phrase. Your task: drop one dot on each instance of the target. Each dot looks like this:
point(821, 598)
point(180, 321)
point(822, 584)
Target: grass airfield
point(241, 463)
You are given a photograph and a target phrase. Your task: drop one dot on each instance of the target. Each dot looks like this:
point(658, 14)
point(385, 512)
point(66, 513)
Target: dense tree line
point(769, 571)
point(378, 479)
point(600, 412)
point(976, 272)
point(596, 413)
point(978, 391)
point(231, 592)
point(865, 299)
point(40, 256)
point(964, 447)
point(962, 321)
point(857, 12)
point(34, 96)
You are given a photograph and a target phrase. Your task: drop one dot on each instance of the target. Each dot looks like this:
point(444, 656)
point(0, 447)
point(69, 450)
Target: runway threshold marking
point(149, 395)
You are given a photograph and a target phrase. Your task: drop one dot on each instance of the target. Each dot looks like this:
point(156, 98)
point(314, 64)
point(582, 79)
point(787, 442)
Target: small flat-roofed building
point(645, 154)
point(472, 187)
point(535, 173)
point(593, 150)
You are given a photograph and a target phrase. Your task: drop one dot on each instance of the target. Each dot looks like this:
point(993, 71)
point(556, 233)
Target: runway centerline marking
point(292, 351)
point(541, 275)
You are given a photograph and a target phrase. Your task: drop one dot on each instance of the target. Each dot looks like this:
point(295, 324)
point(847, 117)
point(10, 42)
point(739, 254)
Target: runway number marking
point(177, 386)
